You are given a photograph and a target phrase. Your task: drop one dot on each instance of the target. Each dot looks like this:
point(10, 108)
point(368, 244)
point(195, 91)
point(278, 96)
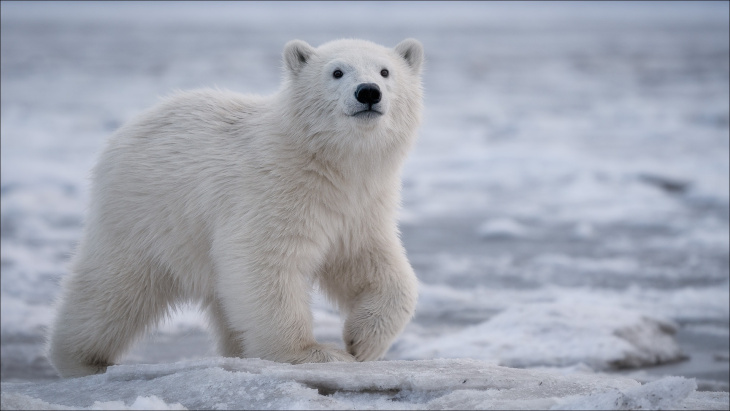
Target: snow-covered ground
point(565, 208)
point(394, 385)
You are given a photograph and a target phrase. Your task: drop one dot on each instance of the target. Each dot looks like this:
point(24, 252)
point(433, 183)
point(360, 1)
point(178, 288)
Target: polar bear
point(245, 203)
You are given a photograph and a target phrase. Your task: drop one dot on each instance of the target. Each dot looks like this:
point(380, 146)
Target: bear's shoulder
point(210, 99)
point(208, 108)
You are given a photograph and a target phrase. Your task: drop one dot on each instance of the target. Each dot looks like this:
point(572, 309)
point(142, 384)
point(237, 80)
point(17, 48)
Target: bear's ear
point(412, 52)
point(297, 54)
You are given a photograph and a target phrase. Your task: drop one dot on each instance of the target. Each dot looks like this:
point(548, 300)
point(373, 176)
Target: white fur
point(244, 203)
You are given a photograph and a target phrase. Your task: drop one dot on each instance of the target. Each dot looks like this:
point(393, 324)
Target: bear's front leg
point(381, 291)
point(265, 294)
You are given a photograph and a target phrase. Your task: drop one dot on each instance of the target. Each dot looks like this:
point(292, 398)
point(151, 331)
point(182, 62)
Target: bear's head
point(355, 87)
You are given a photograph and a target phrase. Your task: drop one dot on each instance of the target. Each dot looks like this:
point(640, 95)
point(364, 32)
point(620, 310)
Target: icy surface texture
point(566, 202)
point(433, 384)
point(553, 334)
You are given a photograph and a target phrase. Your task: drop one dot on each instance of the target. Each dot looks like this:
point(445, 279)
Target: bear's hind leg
point(230, 342)
point(103, 310)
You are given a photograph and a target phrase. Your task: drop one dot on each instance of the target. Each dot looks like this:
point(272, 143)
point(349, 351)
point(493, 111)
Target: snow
point(554, 334)
point(662, 395)
point(21, 402)
point(227, 383)
point(565, 207)
point(503, 228)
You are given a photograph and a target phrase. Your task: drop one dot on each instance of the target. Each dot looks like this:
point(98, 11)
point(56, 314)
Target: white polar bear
point(244, 203)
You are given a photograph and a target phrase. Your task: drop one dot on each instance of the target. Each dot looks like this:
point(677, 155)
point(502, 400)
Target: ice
point(664, 394)
point(434, 384)
point(689, 304)
point(24, 402)
point(554, 334)
point(566, 204)
point(502, 228)
point(14, 401)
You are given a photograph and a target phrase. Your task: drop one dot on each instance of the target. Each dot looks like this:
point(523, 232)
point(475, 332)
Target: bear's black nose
point(368, 93)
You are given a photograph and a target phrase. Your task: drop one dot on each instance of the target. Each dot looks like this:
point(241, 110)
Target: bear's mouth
point(367, 113)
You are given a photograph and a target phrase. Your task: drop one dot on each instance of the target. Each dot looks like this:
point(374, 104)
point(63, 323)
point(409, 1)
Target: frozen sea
point(566, 207)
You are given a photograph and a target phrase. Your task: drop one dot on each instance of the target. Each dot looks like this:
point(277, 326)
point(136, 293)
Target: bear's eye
point(337, 73)
point(384, 72)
